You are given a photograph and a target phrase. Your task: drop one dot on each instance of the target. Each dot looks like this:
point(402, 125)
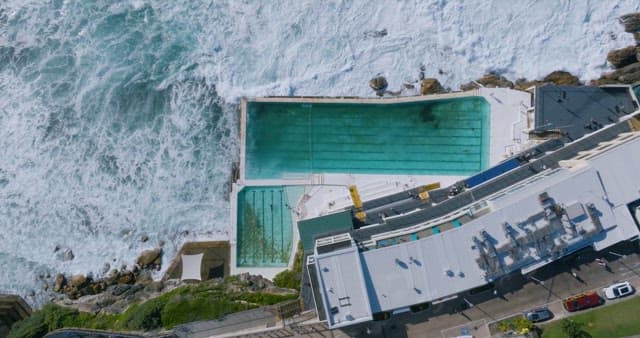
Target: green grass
point(618, 320)
point(181, 305)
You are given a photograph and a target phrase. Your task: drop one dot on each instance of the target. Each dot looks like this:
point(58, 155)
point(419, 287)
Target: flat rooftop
point(579, 110)
point(583, 201)
point(345, 297)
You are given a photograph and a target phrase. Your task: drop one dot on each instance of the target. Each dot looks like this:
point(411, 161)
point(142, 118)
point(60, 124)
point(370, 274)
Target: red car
point(582, 301)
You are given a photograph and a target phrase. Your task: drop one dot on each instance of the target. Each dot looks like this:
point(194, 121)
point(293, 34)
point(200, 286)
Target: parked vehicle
point(582, 301)
point(618, 290)
point(538, 315)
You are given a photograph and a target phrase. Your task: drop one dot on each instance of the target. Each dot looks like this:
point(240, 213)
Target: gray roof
point(529, 224)
point(580, 110)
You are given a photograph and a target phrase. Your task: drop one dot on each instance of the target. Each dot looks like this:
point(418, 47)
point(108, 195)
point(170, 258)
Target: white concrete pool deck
point(327, 193)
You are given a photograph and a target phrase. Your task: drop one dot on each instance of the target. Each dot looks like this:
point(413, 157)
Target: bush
point(291, 279)
point(57, 317)
point(519, 324)
point(32, 327)
point(180, 309)
point(146, 316)
point(287, 279)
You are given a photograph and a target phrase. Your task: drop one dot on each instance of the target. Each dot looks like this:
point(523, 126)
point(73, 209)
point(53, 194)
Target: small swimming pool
point(438, 137)
point(264, 226)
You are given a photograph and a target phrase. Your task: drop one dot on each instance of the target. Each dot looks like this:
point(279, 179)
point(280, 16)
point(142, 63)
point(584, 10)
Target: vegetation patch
point(181, 305)
point(291, 279)
point(617, 320)
point(518, 324)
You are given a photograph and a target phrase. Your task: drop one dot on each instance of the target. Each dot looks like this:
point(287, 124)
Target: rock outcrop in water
point(562, 78)
point(626, 60)
point(631, 22)
point(431, 86)
point(379, 84)
point(625, 75)
point(77, 286)
point(150, 259)
point(490, 80)
point(623, 57)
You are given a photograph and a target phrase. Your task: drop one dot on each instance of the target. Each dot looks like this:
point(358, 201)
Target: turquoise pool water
point(449, 137)
point(264, 227)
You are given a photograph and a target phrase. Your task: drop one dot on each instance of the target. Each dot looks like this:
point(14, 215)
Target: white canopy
point(191, 266)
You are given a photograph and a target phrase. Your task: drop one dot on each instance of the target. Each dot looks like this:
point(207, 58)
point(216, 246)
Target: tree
point(574, 329)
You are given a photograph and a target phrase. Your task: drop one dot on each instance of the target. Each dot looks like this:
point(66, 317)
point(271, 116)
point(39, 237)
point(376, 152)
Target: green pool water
point(264, 226)
point(441, 137)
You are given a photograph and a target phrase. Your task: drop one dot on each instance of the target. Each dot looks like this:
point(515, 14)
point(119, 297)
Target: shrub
point(287, 279)
point(291, 279)
point(57, 317)
point(32, 327)
point(518, 324)
point(146, 316)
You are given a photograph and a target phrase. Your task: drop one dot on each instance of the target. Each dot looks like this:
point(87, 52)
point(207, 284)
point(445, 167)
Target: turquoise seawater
point(442, 137)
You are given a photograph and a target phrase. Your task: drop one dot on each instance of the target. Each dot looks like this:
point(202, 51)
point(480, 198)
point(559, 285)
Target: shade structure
point(191, 267)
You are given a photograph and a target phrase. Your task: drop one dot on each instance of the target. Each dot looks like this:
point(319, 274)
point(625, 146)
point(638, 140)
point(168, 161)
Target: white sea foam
point(110, 127)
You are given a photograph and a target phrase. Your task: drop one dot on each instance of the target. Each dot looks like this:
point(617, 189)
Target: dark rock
point(144, 238)
point(59, 283)
point(378, 83)
point(117, 290)
point(562, 78)
point(631, 22)
point(126, 277)
point(491, 80)
point(150, 258)
point(32, 293)
point(623, 57)
point(105, 268)
point(78, 281)
point(626, 75)
point(98, 287)
point(68, 255)
point(636, 36)
point(56, 248)
point(430, 86)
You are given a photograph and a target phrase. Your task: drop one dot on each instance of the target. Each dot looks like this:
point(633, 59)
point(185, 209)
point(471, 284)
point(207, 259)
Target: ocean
point(118, 120)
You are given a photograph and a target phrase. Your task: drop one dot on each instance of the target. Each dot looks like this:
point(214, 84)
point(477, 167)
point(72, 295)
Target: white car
point(618, 290)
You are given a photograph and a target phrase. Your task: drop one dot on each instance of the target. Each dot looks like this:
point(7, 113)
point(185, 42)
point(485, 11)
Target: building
point(588, 199)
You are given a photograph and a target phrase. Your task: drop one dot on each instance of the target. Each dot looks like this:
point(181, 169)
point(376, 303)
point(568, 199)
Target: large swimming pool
point(438, 137)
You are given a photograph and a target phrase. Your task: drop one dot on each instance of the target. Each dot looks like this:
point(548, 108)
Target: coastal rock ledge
point(623, 57)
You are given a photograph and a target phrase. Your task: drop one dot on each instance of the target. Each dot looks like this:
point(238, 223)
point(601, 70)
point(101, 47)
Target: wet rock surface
point(490, 80)
point(430, 86)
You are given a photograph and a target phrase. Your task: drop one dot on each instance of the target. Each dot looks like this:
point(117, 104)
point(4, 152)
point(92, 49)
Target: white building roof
point(530, 225)
point(344, 294)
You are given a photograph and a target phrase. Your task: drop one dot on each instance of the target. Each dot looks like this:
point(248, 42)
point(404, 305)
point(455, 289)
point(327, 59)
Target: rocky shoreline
point(625, 61)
